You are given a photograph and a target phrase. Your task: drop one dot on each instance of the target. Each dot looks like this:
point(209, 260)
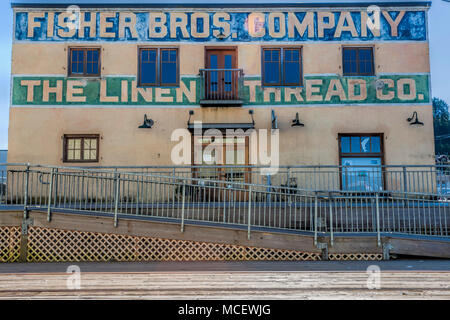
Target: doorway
point(221, 77)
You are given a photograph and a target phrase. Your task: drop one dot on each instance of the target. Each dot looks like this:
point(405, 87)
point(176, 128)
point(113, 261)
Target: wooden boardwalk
point(228, 285)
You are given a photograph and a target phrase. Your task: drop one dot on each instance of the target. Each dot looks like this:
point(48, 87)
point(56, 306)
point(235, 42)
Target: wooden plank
point(426, 248)
point(229, 285)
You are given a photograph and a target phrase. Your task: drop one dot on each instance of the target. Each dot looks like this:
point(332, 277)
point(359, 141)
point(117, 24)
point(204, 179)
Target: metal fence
point(221, 85)
point(182, 197)
point(418, 178)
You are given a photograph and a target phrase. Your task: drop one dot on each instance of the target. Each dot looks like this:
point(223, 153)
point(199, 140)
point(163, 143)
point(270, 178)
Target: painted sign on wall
point(123, 91)
point(200, 26)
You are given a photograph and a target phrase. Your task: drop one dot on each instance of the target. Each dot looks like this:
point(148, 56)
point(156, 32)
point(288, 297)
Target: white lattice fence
point(52, 245)
point(9, 244)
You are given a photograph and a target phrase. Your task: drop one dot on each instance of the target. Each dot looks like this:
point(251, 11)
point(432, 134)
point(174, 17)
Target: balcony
point(221, 87)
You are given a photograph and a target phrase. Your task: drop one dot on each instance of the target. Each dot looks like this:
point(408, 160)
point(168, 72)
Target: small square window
point(84, 62)
point(79, 148)
point(358, 61)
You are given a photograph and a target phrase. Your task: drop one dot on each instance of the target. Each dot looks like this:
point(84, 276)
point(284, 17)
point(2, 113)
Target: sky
point(439, 22)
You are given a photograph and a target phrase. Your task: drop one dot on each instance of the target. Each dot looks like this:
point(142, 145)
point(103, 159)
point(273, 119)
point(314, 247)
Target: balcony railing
point(221, 86)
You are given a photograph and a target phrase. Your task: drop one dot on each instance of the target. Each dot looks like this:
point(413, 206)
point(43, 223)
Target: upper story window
point(84, 62)
point(81, 148)
point(358, 61)
point(158, 67)
point(282, 67)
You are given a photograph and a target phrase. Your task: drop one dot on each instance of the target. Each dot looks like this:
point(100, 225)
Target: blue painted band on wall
point(200, 26)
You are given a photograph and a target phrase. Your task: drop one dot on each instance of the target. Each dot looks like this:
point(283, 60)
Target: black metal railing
point(221, 86)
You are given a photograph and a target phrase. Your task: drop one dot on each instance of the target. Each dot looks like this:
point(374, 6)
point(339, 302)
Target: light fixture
point(274, 121)
point(296, 122)
point(191, 112)
point(414, 120)
point(148, 123)
point(250, 112)
point(221, 35)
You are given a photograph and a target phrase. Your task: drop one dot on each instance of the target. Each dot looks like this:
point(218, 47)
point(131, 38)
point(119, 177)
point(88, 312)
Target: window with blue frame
point(358, 61)
point(84, 62)
point(361, 158)
point(158, 67)
point(282, 67)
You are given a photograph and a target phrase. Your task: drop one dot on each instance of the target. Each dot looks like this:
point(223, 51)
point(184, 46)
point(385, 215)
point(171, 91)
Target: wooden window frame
point(358, 73)
point(84, 75)
point(159, 67)
point(66, 137)
point(282, 66)
point(360, 154)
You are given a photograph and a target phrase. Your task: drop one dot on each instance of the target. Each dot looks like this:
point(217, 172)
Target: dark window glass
point(158, 67)
point(360, 144)
point(292, 66)
point(358, 61)
point(272, 66)
point(355, 145)
point(148, 66)
point(345, 144)
point(84, 62)
point(376, 145)
point(168, 67)
point(92, 62)
point(282, 67)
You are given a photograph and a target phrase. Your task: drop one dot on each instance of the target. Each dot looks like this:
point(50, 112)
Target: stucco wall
point(122, 143)
point(36, 128)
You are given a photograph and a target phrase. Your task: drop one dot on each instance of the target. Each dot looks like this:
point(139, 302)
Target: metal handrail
point(326, 212)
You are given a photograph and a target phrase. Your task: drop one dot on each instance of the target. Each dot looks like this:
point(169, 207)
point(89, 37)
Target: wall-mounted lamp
point(414, 120)
point(191, 113)
point(221, 35)
point(148, 123)
point(296, 122)
point(250, 112)
point(274, 120)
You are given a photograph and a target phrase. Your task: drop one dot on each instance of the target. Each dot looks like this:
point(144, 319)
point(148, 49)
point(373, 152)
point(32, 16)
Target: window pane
point(92, 62)
point(87, 143)
point(355, 145)
point(148, 67)
point(292, 73)
point(365, 144)
point(271, 73)
point(361, 178)
point(70, 155)
point(292, 66)
point(168, 66)
point(87, 155)
point(350, 61)
point(376, 144)
point(77, 155)
point(345, 144)
point(365, 54)
point(272, 66)
point(77, 61)
point(168, 73)
point(228, 61)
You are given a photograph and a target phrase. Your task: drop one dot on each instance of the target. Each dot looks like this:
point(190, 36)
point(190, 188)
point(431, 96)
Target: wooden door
point(221, 78)
point(233, 152)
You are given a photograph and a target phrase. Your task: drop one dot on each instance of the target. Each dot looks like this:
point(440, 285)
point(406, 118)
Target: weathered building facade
point(84, 78)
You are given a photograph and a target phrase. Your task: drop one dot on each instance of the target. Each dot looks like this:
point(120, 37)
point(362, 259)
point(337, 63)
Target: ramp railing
point(183, 199)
